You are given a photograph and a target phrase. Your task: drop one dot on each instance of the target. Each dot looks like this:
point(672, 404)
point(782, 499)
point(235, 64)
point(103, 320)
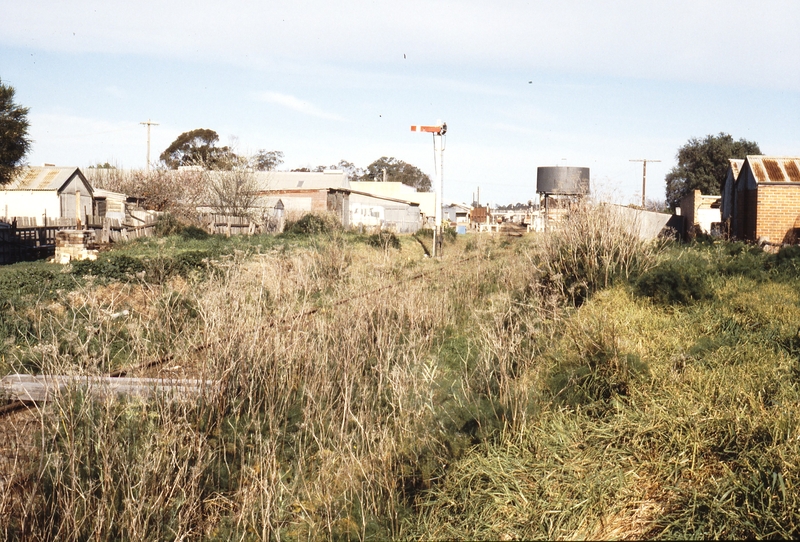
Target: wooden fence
point(25, 240)
point(239, 225)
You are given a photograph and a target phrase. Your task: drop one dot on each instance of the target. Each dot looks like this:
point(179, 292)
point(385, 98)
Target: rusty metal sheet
point(774, 171)
point(792, 170)
point(759, 172)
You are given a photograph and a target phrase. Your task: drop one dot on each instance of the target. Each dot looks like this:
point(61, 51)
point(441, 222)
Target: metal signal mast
point(439, 130)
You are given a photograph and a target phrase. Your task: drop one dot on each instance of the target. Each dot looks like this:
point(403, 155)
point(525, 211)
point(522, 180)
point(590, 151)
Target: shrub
point(115, 266)
point(384, 240)
point(310, 224)
point(110, 266)
point(591, 248)
point(678, 281)
point(167, 225)
point(448, 234)
point(787, 259)
point(35, 280)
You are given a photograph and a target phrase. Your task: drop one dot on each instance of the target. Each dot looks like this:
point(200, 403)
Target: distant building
point(456, 213)
point(763, 201)
point(701, 214)
point(331, 191)
point(399, 191)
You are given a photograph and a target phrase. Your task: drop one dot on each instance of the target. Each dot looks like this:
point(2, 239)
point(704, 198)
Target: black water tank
point(562, 180)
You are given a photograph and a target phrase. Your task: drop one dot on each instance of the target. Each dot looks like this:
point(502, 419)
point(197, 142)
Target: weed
point(384, 240)
point(590, 250)
point(311, 224)
point(518, 389)
point(676, 281)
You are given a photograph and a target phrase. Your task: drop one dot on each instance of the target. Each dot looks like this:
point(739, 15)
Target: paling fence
point(241, 225)
point(27, 239)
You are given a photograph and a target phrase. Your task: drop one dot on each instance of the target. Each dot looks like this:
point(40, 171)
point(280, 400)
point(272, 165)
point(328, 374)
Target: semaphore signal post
point(438, 131)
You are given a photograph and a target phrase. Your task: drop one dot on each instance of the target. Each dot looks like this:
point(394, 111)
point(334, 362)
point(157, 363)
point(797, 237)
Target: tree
point(267, 160)
point(349, 169)
point(14, 141)
point(702, 165)
point(196, 148)
point(233, 188)
point(397, 170)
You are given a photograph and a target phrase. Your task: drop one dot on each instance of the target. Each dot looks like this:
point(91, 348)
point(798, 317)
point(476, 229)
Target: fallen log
point(43, 388)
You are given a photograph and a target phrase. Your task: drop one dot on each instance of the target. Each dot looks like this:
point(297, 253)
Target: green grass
point(498, 393)
point(703, 444)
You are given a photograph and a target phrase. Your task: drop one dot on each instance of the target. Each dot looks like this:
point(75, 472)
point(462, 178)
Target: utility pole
point(438, 154)
point(644, 175)
point(148, 124)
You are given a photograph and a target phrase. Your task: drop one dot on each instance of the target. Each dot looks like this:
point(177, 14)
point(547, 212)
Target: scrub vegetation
point(578, 384)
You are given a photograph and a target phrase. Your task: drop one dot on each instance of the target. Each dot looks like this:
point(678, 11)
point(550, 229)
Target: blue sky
point(520, 84)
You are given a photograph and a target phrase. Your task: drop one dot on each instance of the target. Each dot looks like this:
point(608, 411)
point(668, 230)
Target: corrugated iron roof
point(775, 169)
point(41, 178)
point(736, 166)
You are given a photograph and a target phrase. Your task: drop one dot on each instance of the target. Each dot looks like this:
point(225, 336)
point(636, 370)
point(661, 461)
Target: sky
point(520, 84)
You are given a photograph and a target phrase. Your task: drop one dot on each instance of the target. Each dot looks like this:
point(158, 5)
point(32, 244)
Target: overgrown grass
point(583, 384)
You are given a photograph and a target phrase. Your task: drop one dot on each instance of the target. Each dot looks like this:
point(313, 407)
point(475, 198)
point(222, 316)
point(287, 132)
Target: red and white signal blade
point(432, 129)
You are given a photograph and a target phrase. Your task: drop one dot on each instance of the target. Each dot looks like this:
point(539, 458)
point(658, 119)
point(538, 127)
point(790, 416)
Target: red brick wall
point(778, 212)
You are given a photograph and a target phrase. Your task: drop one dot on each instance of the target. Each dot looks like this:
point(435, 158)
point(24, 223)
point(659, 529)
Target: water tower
point(561, 187)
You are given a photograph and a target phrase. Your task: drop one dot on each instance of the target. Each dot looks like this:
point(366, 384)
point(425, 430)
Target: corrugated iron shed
point(41, 178)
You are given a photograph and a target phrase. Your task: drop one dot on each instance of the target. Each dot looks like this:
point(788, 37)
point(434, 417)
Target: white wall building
point(47, 192)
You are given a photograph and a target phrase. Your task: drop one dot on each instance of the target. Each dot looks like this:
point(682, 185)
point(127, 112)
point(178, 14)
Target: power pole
point(148, 124)
point(644, 175)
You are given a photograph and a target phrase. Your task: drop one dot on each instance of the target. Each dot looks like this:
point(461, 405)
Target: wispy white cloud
point(296, 104)
point(683, 40)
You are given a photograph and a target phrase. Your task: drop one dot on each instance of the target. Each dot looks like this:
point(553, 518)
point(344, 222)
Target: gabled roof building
point(331, 191)
point(763, 201)
point(47, 191)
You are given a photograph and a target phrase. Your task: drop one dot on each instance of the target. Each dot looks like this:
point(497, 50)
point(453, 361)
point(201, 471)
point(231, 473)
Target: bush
point(121, 267)
point(384, 240)
point(310, 224)
point(35, 280)
point(448, 234)
point(110, 266)
point(167, 225)
point(787, 259)
point(676, 281)
point(590, 249)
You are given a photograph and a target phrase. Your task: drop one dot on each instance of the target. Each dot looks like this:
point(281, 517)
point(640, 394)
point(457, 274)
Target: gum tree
point(14, 141)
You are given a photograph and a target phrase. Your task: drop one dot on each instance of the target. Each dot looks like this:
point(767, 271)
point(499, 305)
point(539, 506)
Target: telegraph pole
point(644, 175)
point(148, 124)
